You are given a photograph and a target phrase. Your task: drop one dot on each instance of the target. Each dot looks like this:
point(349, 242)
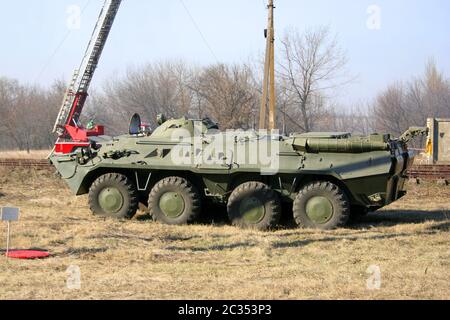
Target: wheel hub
point(172, 204)
point(252, 210)
point(319, 210)
point(111, 200)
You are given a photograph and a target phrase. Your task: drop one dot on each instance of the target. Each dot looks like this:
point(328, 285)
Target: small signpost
point(9, 215)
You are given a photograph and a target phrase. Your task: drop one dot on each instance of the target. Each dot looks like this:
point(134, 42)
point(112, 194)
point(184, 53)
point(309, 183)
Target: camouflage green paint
point(371, 169)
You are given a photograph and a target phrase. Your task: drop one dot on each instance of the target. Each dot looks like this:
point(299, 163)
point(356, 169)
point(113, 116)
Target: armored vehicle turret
point(186, 163)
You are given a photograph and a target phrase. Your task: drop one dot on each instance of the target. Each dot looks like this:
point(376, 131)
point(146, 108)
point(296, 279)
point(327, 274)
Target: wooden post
point(8, 235)
point(269, 76)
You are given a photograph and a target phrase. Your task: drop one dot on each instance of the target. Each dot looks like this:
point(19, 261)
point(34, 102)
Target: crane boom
point(67, 124)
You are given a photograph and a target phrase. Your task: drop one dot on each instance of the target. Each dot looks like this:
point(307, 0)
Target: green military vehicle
point(186, 163)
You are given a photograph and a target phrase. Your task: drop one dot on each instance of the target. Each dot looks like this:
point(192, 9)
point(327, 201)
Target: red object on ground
point(27, 254)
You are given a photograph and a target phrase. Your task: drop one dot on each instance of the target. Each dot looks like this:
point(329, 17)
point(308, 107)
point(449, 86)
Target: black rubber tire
point(337, 197)
point(191, 197)
point(265, 194)
point(127, 189)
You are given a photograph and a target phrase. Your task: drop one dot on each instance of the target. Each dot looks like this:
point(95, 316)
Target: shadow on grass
point(219, 247)
point(217, 215)
point(167, 238)
point(384, 218)
point(399, 217)
point(80, 251)
point(357, 231)
point(326, 239)
point(211, 215)
point(445, 226)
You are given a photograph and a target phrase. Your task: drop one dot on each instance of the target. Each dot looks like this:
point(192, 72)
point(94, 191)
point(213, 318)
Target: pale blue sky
point(150, 30)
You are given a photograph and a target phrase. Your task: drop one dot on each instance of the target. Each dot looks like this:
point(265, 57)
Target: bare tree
point(354, 120)
point(27, 115)
point(403, 105)
point(153, 89)
point(225, 93)
point(9, 93)
point(391, 110)
point(312, 65)
point(228, 95)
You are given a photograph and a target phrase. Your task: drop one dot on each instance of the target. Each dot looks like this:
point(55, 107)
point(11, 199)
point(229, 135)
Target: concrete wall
point(439, 141)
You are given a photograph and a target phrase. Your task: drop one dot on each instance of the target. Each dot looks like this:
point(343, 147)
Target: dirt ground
point(139, 259)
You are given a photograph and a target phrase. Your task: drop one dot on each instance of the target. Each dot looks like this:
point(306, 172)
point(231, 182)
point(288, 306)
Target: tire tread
point(120, 179)
point(336, 192)
point(275, 207)
point(183, 184)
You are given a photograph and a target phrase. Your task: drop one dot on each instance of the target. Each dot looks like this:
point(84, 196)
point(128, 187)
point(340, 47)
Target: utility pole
point(269, 75)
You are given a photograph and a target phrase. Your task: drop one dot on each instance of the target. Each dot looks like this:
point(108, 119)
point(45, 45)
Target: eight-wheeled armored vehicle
point(184, 163)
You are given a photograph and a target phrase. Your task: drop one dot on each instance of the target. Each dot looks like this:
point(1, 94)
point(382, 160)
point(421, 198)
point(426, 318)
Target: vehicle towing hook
point(413, 133)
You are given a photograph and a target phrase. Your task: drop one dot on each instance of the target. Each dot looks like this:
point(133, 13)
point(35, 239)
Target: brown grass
point(140, 259)
point(34, 154)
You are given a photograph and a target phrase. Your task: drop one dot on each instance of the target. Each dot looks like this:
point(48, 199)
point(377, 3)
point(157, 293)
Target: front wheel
point(321, 205)
point(113, 195)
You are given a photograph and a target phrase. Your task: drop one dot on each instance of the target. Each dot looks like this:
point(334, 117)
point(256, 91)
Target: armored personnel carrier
point(185, 163)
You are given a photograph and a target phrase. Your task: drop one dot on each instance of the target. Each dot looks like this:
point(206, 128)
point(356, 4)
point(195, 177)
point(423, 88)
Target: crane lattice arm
point(67, 124)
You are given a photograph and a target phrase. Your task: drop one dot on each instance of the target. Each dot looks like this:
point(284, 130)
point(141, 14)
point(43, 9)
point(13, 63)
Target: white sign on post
point(10, 214)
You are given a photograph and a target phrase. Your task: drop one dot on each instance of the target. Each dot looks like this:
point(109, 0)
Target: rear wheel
point(174, 201)
point(254, 205)
point(321, 205)
point(113, 195)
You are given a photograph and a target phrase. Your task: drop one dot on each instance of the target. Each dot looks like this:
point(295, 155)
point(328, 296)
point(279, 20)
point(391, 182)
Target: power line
point(55, 52)
point(199, 30)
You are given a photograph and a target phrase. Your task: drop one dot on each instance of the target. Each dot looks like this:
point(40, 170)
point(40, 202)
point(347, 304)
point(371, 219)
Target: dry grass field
point(34, 154)
point(139, 259)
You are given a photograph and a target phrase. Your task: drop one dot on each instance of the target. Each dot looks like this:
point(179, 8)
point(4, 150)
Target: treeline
point(403, 104)
point(27, 115)
point(311, 68)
